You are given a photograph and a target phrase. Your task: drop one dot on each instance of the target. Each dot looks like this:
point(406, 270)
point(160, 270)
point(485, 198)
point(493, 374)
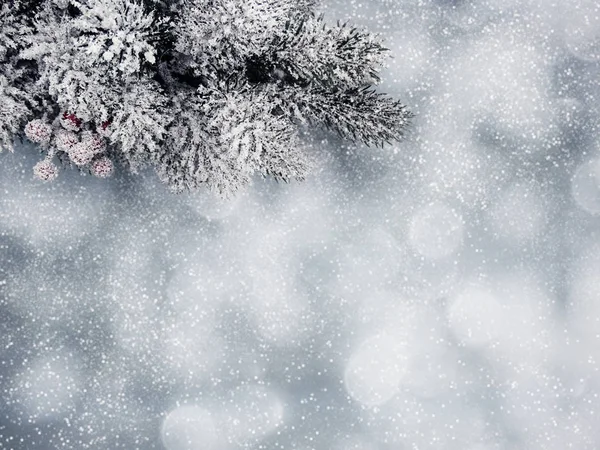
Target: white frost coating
point(436, 231)
point(375, 369)
point(586, 186)
point(189, 427)
point(475, 316)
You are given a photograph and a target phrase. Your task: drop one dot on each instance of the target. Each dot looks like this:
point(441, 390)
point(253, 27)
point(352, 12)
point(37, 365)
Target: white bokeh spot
point(586, 186)
point(375, 369)
point(436, 231)
point(476, 316)
point(189, 427)
point(519, 215)
point(49, 387)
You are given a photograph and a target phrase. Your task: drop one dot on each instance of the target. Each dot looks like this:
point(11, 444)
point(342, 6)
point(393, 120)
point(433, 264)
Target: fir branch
point(140, 125)
point(309, 51)
point(226, 133)
point(359, 114)
point(209, 92)
point(14, 110)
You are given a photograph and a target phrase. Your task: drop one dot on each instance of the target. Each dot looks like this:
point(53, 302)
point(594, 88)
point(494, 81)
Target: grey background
point(441, 293)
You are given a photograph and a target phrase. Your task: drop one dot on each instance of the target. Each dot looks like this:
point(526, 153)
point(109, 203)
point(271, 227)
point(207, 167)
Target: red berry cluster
point(45, 170)
point(70, 121)
point(82, 146)
point(39, 132)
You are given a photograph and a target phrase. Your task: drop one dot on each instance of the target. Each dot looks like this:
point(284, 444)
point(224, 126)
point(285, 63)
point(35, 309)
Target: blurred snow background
point(443, 293)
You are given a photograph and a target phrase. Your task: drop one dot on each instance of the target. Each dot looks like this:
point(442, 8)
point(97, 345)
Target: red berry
point(38, 131)
point(102, 167)
point(94, 142)
point(103, 129)
point(80, 154)
point(65, 140)
point(70, 122)
point(45, 170)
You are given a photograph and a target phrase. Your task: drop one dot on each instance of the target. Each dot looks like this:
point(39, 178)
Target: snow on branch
point(208, 92)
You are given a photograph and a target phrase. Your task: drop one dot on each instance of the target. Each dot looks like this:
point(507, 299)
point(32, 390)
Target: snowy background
point(443, 293)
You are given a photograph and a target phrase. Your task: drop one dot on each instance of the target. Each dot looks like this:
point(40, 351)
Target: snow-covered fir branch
point(208, 92)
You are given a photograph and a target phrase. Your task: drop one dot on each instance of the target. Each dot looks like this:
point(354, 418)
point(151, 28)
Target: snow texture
point(442, 293)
